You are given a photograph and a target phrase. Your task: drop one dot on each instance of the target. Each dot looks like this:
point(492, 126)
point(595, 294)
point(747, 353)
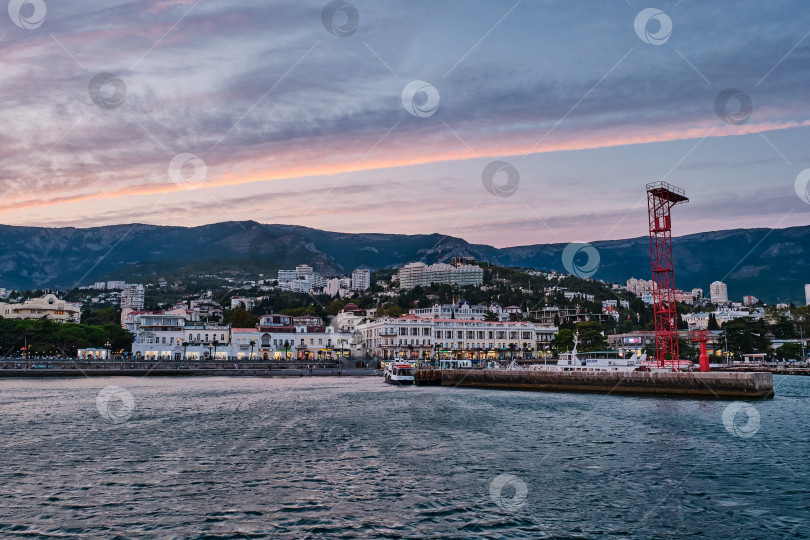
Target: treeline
point(45, 337)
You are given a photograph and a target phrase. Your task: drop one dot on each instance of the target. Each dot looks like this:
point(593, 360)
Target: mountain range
point(771, 264)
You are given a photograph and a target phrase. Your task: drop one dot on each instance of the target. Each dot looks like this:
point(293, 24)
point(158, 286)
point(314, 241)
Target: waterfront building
point(413, 337)
point(132, 297)
point(718, 292)
point(48, 306)
point(361, 279)
point(420, 274)
point(168, 336)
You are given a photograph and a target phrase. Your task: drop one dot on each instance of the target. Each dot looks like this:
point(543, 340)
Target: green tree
point(713, 323)
point(490, 316)
point(591, 337)
point(564, 340)
point(242, 318)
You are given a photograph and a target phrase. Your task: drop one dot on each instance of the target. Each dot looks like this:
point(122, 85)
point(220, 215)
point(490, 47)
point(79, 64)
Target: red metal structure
point(661, 197)
point(702, 337)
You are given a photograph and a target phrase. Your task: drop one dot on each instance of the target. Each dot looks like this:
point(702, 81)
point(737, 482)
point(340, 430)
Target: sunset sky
point(299, 124)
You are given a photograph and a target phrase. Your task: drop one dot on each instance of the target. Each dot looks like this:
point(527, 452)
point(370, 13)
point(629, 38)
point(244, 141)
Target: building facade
point(361, 279)
point(413, 337)
point(132, 297)
point(420, 274)
point(718, 292)
point(48, 306)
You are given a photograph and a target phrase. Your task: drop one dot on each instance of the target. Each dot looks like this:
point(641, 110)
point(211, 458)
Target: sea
point(352, 457)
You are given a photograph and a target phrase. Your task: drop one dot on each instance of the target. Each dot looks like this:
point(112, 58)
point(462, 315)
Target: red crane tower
point(661, 197)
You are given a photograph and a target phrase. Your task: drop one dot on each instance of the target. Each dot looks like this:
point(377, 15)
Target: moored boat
point(398, 373)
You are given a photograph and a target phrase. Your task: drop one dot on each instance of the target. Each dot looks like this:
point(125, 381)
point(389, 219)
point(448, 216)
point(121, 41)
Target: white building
point(419, 274)
point(115, 284)
point(807, 294)
point(48, 306)
point(350, 316)
point(718, 292)
point(286, 276)
point(640, 287)
point(361, 279)
point(132, 297)
point(249, 303)
point(303, 270)
point(415, 337)
point(460, 310)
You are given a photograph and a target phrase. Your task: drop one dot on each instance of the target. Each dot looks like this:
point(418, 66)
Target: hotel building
point(419, 274)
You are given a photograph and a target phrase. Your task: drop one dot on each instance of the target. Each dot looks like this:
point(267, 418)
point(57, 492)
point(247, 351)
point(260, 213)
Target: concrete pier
point(687, 384)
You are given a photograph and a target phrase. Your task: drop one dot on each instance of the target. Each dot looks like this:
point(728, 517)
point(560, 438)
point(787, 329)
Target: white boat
point(398, 373)
point(594, 361)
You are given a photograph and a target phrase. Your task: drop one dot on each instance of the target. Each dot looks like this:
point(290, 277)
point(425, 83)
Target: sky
point(501, 122)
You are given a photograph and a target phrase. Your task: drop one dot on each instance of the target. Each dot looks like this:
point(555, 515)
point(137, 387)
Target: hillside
point(768, 263)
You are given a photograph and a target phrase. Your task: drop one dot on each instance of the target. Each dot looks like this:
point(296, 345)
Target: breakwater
point(686, 384)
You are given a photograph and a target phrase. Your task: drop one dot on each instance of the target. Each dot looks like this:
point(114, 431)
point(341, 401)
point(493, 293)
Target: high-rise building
point(639, 287)
point(415, 274)
point(286, 276)
point(749, 300)
point(719, 292)
point(361, 279)
point(304, 270)
point(132, 297)
point(807, 294)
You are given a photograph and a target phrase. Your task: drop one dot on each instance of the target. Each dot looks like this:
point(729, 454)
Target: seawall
point(716, 385)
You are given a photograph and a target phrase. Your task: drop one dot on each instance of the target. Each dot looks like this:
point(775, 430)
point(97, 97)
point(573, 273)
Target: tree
point(242, 318)
point(564, 340)
point(713, 323)
point(286, 348)
point(185, 346)
point(591, 337)
point(512, 348)
point(789, 351)
point(746, 336)
point(490, 316)
point(252, 344)
point(215, 344)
